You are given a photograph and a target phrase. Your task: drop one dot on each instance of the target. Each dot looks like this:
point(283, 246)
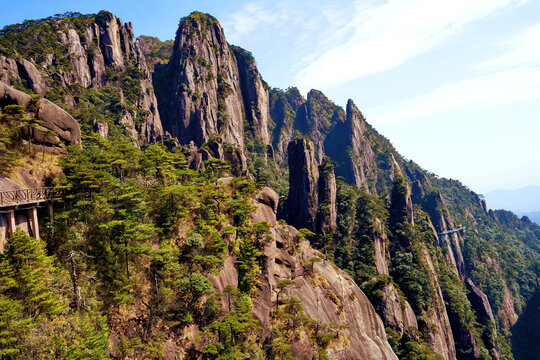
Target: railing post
point(11, 221)
point(32, 213)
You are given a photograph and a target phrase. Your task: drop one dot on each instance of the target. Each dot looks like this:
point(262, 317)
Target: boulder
point(59, 121)
point(32, 75)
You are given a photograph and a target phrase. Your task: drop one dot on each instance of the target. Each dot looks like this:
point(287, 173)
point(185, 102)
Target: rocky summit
point(159, 200)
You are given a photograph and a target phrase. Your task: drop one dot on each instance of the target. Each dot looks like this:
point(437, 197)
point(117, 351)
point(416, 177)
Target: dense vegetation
point(138, 234)
point(34, 39)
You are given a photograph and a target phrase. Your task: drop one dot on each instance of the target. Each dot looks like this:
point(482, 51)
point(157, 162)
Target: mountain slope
point(376, 215)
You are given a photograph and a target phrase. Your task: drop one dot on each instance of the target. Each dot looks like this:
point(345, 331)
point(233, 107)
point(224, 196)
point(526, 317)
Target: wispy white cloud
point(252, 17)
point(512, 77)
point(390, 33)
point(504, 87)
point(293, 33)
point(520, 50)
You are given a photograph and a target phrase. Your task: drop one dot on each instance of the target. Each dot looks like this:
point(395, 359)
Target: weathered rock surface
point(303, 198)
point(349, 146)
point(268, 197)
point(204, 97)
point(439, 337)
point(396, 312)
point(283, 108)
point(436, 207)
point(311, 202)
point(104, 45)
point(484, 315)
point(507, 313)
point(327, 294)
point(29, 71)
point(8, 68)
point(255, 95)
point(380, 250)
point(55, 118)
point(327, 211)
point(59, 121)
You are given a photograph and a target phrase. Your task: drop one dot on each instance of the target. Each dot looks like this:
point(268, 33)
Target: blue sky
point(455, 85)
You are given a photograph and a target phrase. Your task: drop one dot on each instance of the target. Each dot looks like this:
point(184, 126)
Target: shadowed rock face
point(349, 146)
point(327, 211)
point(311, 202)
point(303, 198)
point(327, 293)
point(484, 315)
point(254, 94)
point(204, 97)
point(525, 333)
point(283, 108)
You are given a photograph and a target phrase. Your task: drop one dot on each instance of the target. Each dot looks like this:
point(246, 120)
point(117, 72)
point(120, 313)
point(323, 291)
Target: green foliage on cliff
point(17, 133)
point(136, 228)
point(34, 39)
point(35, 319)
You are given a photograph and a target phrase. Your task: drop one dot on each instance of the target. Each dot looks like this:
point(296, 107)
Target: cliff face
point(311, 202)
point(327, 212)
point(303, 198)
point(283, 108)
point(213, 100)
point(204, 98)
point(81, 55)
point(326, 293)
point(255, 96)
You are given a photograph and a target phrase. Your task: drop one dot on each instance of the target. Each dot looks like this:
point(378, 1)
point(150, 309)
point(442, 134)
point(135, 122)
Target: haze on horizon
point(454, 85)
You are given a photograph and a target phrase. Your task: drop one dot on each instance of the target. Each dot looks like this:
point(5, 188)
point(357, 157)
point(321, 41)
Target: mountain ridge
point(375, 214)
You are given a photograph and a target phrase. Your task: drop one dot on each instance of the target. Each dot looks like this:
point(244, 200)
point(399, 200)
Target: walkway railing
point(27, 196)
point(452, 231)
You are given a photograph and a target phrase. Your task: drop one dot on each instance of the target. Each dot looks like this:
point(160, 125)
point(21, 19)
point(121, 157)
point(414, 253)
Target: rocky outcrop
point(327, 294)
point(116, 40)
point(103, 45)
point(8, 68)
point(255, 95)
point(268, 197)
point(28, 71)
point(315, 118)
point(55, 118)
point(439, 334)
point(59, 121)
point(484, 316)
point(507, 313)
point(380, 251)
point(303, 198)
point(311, 202)
point(395, 311)
point(349, 147)
point(151, 129)
point(204, 97)
point(327, 211)
point(283, 108)
point(435, 206)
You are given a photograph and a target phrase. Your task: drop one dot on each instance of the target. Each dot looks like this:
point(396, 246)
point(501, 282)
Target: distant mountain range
point(523, 201)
